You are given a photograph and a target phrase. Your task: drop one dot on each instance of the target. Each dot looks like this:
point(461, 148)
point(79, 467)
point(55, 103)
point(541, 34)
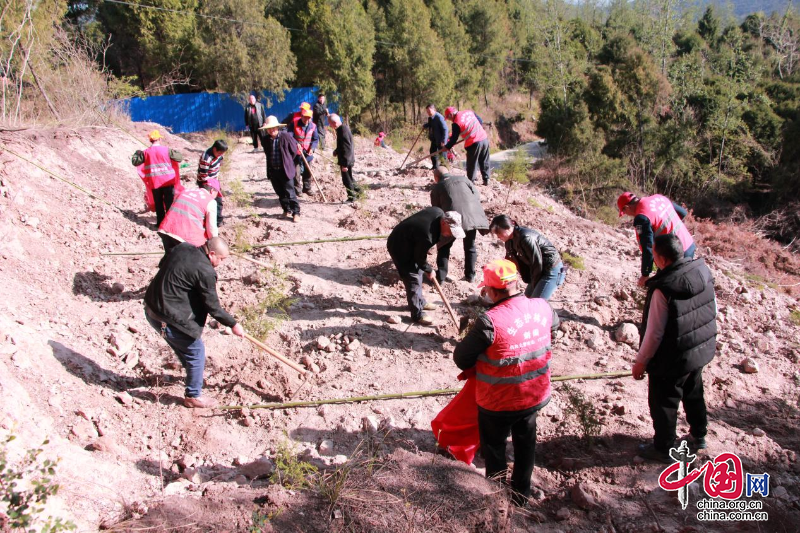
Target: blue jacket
point(437, 129)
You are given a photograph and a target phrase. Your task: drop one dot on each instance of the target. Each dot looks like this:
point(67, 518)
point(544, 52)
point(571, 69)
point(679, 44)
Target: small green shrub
point(272, 309)
point(290, 471)
point(24, 490)
point(261, 520)
point(514, 171)
point(575, 261)
point(794, 316)
point(583, 411)
point(240, 242)
point(238, 197)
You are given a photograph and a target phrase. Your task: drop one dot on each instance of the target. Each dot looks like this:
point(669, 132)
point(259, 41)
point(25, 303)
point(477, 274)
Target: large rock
point(261, 467)
point(749, 366)
point(627, 333)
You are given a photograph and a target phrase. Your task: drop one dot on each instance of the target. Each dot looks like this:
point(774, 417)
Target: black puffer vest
point(690, 339)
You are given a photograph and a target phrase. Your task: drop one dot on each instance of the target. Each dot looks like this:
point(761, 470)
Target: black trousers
point(470, 257)
point(305, 171)
point(284, 188)
point(169, 242)
point(478, 157)
point(350, 184)
point(664, 395)
point(163, 197)
point(435, 159)
point(255, 134)
point(413, 284)
point(494, 428)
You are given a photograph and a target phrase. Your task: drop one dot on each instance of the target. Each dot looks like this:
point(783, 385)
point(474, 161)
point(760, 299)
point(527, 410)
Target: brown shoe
point(296, 217)
point(201, 402)
point(424, 320)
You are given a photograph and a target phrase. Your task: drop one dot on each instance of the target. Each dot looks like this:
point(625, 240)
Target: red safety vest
point(187, 216)
point(471, 130)
point(658, 209)
point(514, 373)
point(159, 168)
point(303, 134)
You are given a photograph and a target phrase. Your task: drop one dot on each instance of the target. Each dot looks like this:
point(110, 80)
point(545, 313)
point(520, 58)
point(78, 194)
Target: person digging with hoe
point(179, 299)
point(509, 349)
point(679, 338)
point(408, 245)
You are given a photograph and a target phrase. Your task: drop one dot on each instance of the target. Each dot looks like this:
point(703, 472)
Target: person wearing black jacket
point(345, 155)
point(408, 245)
point(254, 118)
point(457, 193)
point(280, 147)
point(177, 303)
point(679, 338)
point(437, 133)
point(538, 261)
point(320, 112)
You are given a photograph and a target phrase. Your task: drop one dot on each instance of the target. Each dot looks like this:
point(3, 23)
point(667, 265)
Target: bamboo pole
point(275, 354)
point(313, 177)
point(340, 239)
point(446, 303)
point(411, 150)
point(401, 395)
point(437, 152)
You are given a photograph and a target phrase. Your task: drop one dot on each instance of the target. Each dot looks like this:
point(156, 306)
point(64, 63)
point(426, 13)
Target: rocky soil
point(80, 366)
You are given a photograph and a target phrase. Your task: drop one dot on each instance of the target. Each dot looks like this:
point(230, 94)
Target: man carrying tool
point(457, 193)
point(437, 133)
point(208, 169)
point(345, 156)
point(320, 112)
point(253, 119)
point(476, 142)
point(305, 133)
point(652, 216)
point(537, 260)
point(408, 245)
point(158, 168)
point(280, 149)
point(192, 217)
point(509, 349)
point(679, 337)
point(179, 299)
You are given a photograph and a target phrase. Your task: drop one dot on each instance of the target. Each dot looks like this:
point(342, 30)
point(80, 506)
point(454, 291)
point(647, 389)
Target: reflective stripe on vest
point(304, 134)
point(514, 373)
point(186, 218)
point(471, 130)
point(663, 218)
point(158, 166)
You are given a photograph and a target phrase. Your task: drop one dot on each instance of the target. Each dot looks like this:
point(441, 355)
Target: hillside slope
point(80, 366)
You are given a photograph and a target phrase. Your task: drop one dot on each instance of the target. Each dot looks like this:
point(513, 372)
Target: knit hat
point(498, 274)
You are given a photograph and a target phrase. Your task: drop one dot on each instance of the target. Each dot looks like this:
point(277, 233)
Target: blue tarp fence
point(187, 113)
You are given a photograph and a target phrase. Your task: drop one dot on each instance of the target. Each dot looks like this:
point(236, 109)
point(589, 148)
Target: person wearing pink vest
point(469, 126)
point(509, 349)
point(158, 168)
point(653, 216)
point(192, 217)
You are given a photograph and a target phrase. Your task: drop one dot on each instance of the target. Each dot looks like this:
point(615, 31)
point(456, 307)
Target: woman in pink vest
point(476, 143)
point(158, 168)
point(653, 216)
point(192, 217)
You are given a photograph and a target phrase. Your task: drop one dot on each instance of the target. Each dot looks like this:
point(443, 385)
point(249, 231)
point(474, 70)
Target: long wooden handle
point(446, 303)
point(412, 147)
point(313, 177)
point(437, 152)
point(250, 259)
point(275, 354)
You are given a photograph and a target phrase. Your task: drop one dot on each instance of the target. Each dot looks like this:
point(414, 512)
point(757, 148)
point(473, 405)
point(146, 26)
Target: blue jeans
point(690, 251)
point(548, 283)
point(191, 352)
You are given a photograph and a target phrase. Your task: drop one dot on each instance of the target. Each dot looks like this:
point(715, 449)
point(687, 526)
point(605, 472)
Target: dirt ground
point(80, 366)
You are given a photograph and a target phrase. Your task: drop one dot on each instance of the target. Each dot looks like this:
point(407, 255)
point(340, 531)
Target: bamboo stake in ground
point(411, 150)
point(313, 177)
point(339, 239)
point(437, 152)
point(446, 303)
point(402, 395)
point(275, 354)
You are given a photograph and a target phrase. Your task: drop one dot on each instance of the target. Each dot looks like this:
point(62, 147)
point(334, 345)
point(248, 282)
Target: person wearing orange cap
point(468, 125)
point(509, 350)
point(652, 216)
point(307, 137)
point(290, 118)
point(158, 168)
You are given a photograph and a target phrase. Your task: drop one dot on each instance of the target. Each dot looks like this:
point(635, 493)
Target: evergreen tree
point(489, 34)
point(454, 37)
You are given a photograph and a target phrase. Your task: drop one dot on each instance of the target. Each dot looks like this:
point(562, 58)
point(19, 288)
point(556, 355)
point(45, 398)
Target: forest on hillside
point(654, 95)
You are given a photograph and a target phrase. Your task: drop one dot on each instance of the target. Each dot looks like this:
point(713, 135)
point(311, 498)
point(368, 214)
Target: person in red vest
point(305, 133)
point(192, 217)
point(158, 168)
point(289, 120)
point(509, 348)
point(653, 216)
point(468, 125)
